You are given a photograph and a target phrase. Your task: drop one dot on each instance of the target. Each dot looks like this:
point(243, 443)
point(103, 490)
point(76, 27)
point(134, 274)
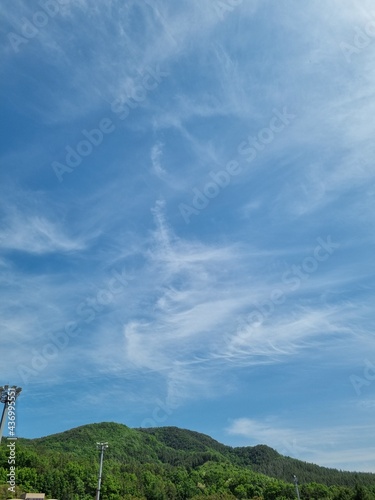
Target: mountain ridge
point(181, 440)
point(166, 463)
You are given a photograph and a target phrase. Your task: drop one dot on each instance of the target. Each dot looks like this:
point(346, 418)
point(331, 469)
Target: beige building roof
point(34, 496)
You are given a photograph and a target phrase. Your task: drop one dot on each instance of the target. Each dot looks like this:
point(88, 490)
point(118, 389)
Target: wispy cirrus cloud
point(37, 235)
point(197, 317)
point(197, 296)
point(337, 446)
point(156, 159)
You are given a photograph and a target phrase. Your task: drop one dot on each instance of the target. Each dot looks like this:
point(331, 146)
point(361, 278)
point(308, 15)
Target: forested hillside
point(169, 464)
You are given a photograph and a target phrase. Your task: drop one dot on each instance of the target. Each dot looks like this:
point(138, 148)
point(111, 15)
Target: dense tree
point(169, 464)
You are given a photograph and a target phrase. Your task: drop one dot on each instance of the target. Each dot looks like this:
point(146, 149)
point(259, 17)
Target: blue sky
point(187, 220)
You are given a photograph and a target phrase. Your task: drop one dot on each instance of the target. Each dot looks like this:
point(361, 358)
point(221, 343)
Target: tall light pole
point(8, 395)
point(101, 447)
point(296, 485)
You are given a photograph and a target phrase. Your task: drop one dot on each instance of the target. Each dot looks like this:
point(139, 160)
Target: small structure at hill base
point(33, 496)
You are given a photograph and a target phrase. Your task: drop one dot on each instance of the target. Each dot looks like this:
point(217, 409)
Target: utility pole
point(101, 447)
point(8, 396)
point(296, 485)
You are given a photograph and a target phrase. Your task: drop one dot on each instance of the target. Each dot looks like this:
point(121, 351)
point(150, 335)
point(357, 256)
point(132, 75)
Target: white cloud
point(156, 159)
point(339, 446)
point(190, 295)
point(36, 234)
point(181, 328)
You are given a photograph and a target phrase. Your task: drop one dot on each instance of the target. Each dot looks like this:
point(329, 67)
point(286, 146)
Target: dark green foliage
point(183, 439)
point(263, 459)
point(169, 464)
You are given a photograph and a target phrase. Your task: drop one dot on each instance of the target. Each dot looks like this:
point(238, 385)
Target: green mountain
point(260, 458)
point(168, 463)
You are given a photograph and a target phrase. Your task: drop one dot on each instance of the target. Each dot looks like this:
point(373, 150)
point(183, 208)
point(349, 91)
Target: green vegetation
point(169, 464)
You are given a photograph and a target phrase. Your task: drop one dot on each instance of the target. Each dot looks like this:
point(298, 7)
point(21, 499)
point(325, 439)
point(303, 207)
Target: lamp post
point(101, 447)
point(296, 485)
point(8, 395)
